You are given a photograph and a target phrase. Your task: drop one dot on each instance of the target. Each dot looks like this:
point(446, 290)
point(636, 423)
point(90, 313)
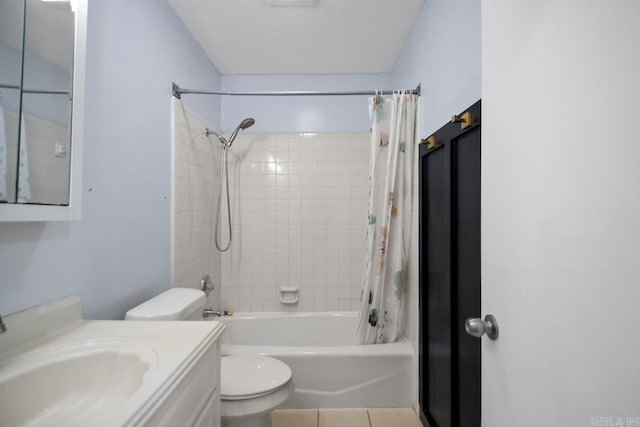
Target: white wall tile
point(304, 211)
point(195, 181)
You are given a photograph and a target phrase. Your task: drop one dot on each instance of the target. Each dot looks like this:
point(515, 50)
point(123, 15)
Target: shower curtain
point(386, 272)
point(24, 184)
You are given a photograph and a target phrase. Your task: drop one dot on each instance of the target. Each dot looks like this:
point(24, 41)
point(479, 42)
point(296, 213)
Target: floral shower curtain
point(393, 138)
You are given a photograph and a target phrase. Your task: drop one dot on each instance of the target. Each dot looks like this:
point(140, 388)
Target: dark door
point(450, 275)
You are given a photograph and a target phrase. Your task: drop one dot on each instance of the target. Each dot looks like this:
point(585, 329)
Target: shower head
point(246, 123)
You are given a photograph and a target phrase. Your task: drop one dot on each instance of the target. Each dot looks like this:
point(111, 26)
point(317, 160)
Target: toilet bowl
point(251, 386)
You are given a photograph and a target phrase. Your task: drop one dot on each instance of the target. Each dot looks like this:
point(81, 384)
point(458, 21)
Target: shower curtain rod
point(178, 92)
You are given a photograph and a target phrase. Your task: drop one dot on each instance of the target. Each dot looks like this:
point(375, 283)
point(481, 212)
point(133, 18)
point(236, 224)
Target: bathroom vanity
point(58, 369)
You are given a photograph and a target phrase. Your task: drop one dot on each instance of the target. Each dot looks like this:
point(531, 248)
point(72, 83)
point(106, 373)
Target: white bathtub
point(329, 371)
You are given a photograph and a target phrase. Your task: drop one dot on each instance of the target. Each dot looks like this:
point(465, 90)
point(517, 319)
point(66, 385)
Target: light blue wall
point(443, 53)
point(301, 114)
point(118, 254)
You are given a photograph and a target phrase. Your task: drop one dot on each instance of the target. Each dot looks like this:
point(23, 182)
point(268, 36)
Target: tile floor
point(345, 418)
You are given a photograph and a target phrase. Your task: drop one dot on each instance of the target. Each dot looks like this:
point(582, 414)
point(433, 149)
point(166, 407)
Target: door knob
point(477, 327)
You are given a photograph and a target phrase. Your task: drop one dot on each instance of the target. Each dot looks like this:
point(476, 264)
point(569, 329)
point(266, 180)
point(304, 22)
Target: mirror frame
point(15, 212)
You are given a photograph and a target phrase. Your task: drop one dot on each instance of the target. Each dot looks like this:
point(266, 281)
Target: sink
point(57, 369)
point(77, 381)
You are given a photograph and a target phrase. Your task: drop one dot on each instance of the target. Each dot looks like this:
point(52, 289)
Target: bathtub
point(329, 371)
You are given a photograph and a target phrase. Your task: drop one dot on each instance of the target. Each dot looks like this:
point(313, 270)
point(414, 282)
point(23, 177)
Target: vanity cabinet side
point(196, 399)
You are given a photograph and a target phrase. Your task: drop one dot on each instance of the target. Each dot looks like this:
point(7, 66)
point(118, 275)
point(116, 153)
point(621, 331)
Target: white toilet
point(251, 386)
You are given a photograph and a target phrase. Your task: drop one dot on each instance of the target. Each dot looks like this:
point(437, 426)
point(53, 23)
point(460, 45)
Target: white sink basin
point(57, 369)
point(76, 381)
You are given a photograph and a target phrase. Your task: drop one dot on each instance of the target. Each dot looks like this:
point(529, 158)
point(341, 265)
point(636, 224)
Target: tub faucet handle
point(206, 285)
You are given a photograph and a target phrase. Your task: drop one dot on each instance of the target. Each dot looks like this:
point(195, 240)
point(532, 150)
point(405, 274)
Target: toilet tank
point(172, 304)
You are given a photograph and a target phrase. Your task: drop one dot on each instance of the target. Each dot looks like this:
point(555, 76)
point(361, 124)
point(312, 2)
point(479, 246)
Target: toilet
point(251, 386)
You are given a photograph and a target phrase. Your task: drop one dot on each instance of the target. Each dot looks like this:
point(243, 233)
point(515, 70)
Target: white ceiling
point(335, 36)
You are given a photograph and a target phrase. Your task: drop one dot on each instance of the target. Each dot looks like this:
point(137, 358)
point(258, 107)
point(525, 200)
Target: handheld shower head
point(246, 123)
point(224, 178)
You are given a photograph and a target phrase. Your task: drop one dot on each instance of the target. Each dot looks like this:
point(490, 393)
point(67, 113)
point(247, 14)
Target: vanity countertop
point(57, 368)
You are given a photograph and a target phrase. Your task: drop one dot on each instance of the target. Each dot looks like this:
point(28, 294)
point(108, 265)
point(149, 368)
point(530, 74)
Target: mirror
point(45, 124)
point(41, 90)
point(11, 35)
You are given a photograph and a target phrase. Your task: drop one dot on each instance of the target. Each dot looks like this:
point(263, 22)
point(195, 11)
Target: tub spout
point(208, 312)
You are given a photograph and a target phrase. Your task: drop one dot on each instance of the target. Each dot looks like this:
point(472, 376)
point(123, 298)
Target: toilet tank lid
point(172, 304)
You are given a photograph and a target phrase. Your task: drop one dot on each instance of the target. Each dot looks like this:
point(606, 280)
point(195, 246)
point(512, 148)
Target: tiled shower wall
point(195, 180)
point(299, 208)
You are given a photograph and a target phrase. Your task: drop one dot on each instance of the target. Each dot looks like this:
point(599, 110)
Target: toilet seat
point(256, 407)
point(248, 376)
point(251, 386)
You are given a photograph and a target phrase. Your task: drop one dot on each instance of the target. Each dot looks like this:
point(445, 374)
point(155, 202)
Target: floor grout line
point(337, 411)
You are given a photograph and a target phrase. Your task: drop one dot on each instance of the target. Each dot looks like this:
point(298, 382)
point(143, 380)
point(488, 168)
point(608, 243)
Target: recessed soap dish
point(289, 294)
